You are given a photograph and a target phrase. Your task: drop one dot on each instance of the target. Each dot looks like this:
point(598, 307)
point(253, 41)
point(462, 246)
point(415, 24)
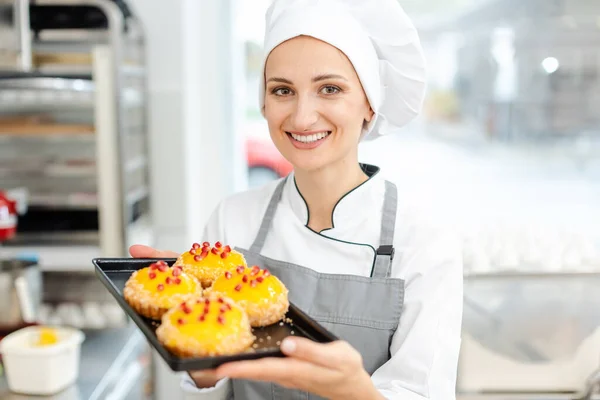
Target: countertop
point(105, 355)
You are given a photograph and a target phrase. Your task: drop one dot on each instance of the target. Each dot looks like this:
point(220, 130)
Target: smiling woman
point(353, 256)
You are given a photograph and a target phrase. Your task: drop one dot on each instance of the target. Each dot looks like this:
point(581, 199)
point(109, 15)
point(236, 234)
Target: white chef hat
point(377, 37)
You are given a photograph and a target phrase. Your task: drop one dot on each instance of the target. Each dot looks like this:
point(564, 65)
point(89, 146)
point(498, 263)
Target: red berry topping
point(227, 275)
point(206, 309)
point(161, 262)
point(228, 306)
point(153, 266)
point(177, 281)
point(220, 300)
point(252, 283)
point(223, 309)
point(207, 301)
point(163, 267)
point(201, 318)
point(193, 252)
point(255, 270)
point(260, 279)
point(177, 271)
point(195, 246)
point(218, 245)
point(180, 321)
point(152, 275)
point(168, 281)
point(240, 269)
point(245, 278)
point(199, 258)
point(205, 244)
point(238, 287)
point(224, 254)
point(187, 310)
point(266, 273)
point(214, 250)
point(221, 319)
point(227, 249)
point(160, 287)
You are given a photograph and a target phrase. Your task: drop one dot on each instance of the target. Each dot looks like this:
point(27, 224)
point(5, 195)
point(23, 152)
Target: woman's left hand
point(333, 370)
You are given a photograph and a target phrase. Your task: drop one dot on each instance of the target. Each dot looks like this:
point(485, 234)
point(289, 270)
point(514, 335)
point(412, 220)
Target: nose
point(305, 114)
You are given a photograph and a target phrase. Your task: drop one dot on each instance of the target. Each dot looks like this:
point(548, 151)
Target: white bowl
point(41, 370)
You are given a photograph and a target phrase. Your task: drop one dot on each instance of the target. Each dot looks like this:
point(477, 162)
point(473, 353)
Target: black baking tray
point(114, 272)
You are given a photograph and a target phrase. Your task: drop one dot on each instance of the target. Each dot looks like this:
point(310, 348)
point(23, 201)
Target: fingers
point(288, 372)
point(336, 355)
point(205, 378)
point(141, 251)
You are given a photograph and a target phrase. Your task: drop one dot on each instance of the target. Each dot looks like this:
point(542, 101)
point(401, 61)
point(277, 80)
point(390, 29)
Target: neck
point(323, 188)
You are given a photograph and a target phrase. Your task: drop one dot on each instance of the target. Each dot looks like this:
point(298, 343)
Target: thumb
point(142, 251)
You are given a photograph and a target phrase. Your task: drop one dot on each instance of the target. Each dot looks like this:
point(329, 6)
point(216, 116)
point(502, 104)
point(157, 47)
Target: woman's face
point(314, 104)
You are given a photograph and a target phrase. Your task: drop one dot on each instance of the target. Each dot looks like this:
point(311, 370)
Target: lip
point(307, 146)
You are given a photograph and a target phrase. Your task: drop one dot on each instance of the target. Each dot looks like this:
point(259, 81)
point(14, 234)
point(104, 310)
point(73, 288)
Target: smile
point(312, 138)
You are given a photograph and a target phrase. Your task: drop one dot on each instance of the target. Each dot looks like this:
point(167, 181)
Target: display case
point(73, 129)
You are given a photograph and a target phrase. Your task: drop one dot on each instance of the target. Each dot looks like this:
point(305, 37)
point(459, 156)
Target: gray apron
point(364, 311)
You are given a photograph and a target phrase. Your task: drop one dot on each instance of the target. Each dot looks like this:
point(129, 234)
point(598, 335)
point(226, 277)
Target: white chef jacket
point(425, 347)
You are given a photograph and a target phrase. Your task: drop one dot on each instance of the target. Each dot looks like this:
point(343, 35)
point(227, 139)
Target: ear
point(370, 115)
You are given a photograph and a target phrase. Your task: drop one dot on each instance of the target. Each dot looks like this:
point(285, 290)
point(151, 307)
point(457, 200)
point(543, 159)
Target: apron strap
point(385, 253)
point(261, 236)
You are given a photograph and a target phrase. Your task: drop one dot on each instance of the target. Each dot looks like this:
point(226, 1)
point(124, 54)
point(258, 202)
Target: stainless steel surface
point(106, 358)
point(532, 318)
point(11, 306)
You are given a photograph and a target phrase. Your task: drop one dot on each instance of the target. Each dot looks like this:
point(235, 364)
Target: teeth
point(310, 138)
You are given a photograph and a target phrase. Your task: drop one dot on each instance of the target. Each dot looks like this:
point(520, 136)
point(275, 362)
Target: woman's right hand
point(141, 251)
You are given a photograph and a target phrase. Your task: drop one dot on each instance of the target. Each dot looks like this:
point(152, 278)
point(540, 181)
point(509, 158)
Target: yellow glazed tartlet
point(153, 290)
point(263, 296)
point(206, 327)
point(207, 262)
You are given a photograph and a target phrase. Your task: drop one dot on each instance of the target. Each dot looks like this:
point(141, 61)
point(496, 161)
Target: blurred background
point(126, 122)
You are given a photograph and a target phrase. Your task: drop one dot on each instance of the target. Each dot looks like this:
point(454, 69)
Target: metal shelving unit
point(73, 129)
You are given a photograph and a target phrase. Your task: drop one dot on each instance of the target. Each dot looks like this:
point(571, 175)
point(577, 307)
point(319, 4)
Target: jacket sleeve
point(425, 347)
point(213, 232)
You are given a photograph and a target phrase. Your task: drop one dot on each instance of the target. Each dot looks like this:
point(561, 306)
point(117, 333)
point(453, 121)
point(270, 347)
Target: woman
point(352, 254)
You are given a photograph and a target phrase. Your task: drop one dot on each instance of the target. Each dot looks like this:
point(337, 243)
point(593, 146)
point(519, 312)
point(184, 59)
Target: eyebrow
point(315, 79)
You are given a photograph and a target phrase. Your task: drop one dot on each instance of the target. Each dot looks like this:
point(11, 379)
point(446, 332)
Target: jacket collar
point(350, 209)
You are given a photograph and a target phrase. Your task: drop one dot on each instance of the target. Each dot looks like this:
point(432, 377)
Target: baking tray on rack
point(114, 272)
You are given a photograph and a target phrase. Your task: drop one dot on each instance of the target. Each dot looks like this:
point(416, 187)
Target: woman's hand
point(332, 370)
point(141, 251)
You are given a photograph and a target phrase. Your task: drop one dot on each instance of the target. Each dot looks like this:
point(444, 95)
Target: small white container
point(41, 370)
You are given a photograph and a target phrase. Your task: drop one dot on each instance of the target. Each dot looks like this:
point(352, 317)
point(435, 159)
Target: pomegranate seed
point(222, 309)
point(221, 319)
point(205, 244)
point(207, 301)
point(193, 252)
point(177, 281)
point(224, 254)
point(245, 278)
point(163, 267)
point(153, 266)
point(227, 249)
point(177, 271)
point(198, 258)
point(195, 246)
point(214, 250)
point(240, 269)
point(161, 262)
point(228, 306)
point(160, 287)
point(183, 305)
point(255, 270)
point(266, 273)
point(220, 300)
point(260, 279)
point(218, 245)
point(238, 287)
point(204, 253)
point(201, 318)
point(252, 283)
point(206, 309)
point(227, 275)
point(168, 281)
point(180, 321)
point(187, 310)
point(152, 275)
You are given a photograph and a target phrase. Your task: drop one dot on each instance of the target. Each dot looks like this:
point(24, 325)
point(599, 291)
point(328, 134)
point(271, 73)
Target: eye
point(330, 89)
point(281, 91)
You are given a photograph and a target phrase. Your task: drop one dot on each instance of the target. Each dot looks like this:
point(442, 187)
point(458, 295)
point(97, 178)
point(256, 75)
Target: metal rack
point(74, 106)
